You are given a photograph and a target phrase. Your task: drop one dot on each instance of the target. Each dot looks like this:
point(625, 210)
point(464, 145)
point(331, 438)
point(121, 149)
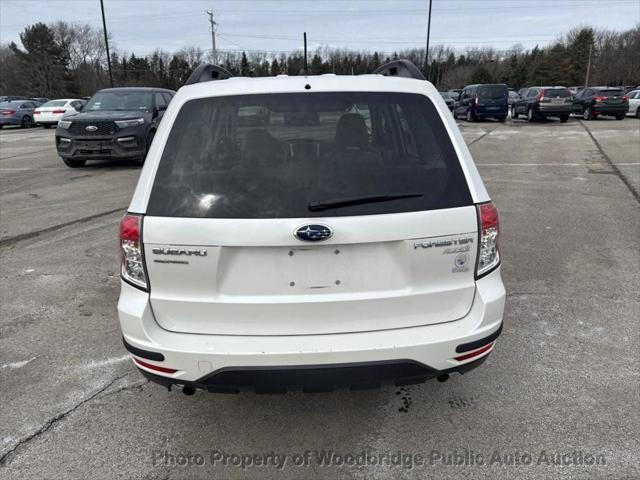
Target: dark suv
point(595, 101)
point(115, 124)
point(543, 102)
point(483, 101)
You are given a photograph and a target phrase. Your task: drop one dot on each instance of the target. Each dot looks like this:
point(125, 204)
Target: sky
point(141, 26)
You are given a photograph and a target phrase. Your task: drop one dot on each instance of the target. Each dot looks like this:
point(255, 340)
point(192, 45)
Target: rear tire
point(637, 113)
point(71, 163)
point(620, 117)
point(587, 113)
point(530, 115)
point(502, 119)
point(564, 118)
point(514, 114)
point(46, 125)
point(26, 122)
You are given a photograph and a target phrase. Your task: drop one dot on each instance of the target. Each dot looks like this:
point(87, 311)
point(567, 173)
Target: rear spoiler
point(207, 72)
point(400, 68)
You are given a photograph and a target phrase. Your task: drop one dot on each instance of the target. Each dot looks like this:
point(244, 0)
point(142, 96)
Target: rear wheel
point(587, 113)
point(514, 113)
point(27, 122)
point(530, 115)
point(620, 116)
point(502, 119)
point(637, 113)
point(72, 163)
point(46, 125)
point(564, 118)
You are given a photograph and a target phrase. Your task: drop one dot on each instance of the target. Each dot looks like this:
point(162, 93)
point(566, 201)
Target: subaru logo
point(313, 233)
point(91, 128)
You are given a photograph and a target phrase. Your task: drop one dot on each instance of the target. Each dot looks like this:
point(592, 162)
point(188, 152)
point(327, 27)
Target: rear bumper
point(200, 359)
point(485, 113)
point(554, 110)
point(610, 110)
point(9, 121)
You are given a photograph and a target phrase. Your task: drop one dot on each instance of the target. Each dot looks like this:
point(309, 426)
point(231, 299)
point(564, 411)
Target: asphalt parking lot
point(563, 380)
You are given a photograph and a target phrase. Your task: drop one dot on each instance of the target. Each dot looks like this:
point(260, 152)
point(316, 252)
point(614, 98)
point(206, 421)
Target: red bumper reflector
point(154, 367)
point(474, 353)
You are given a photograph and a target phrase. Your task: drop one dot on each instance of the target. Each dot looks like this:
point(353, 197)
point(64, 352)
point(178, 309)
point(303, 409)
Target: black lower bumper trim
point(314, 378)
point(138, 352)
point(467, 347)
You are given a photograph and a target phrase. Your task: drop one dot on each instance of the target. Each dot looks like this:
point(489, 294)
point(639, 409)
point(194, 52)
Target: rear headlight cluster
point(489, 227)
point(131, 254)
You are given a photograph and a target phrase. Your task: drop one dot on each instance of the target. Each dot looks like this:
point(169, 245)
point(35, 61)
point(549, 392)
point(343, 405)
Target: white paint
point(14, 365)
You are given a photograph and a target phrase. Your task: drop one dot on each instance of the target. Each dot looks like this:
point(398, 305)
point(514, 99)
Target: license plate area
point(316, 268)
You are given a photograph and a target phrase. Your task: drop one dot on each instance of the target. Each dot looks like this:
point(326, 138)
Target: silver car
point(17, 112)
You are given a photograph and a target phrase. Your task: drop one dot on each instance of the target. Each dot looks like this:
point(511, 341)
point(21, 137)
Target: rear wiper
point(348, 202)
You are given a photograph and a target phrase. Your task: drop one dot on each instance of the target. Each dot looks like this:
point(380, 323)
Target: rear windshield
point(55, 103)
point(611, 93)
point(557, 92)
point(271, 156)
point(493, 91)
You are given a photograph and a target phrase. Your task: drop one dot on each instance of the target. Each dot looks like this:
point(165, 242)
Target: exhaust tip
point(443, 378)
point(188, 390)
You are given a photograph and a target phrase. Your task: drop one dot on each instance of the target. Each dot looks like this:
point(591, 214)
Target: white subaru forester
point(309, 232)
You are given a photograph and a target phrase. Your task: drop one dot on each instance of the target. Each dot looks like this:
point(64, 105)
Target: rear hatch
point(556, 97)
point(610, 98)
point(331, 212)
point(493, 99)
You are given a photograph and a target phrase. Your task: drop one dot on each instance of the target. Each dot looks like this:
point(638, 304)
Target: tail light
point(476, 100)
point(625, 99)
point(541, 96)
point(36, 113)
point(7, 112)
point(132, 267)
point(489, 229)
point(600, 99)
point(58, 112)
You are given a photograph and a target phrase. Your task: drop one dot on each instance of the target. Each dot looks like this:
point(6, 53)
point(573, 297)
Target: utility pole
point(586, 78)
point(426, 55)
point(212, 27)
point(106, 43)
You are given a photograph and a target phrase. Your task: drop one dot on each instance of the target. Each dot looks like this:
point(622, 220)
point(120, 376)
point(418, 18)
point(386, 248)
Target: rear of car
point(611, 102)
point(491, 101)
point(554, 102)
point(342, 237)
point(52, 111)
point(17, 112)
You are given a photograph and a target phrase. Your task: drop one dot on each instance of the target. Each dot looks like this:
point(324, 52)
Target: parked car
point(10, 98)
point(543, 102)
point(50, 112)
point(455, 93)
point(483, 101)
point(115, 124)
point(634, 103)
point(448, 99)
point(17, 112)
point(595, 101)
point(513, 97)
point(341, 253)
point(39, 100)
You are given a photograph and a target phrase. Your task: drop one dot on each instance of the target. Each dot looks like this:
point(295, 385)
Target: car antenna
point(306, 67)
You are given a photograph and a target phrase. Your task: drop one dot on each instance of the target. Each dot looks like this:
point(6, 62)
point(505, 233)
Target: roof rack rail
point(207, 72)
point(400, 68)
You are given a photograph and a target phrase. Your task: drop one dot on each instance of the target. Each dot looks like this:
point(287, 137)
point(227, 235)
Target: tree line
point(69, 59)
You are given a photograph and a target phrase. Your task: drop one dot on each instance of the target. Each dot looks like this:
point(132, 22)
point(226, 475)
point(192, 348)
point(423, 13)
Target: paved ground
point(563, 379)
